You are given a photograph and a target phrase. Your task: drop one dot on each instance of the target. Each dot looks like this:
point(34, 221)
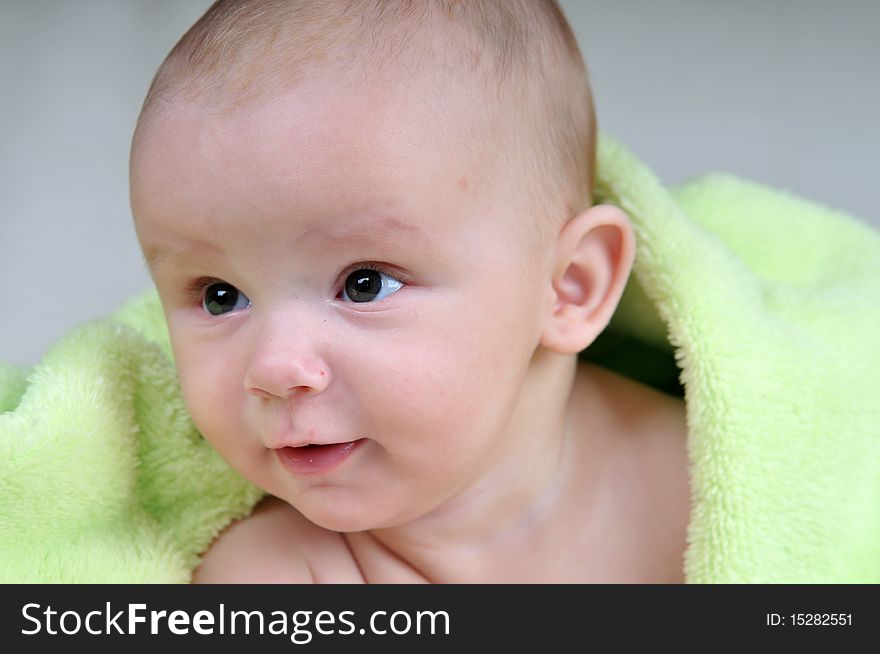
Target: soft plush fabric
point(771, 307)
point(762, 308)
point(103, 477)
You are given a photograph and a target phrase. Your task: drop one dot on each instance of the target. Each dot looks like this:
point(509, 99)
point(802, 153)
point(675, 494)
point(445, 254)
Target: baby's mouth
point(316, 458)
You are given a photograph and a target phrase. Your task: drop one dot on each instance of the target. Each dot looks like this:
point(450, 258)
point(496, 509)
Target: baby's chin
point(348, 514)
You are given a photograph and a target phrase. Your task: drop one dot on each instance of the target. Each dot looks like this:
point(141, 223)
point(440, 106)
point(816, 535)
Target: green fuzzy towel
point(762, 307)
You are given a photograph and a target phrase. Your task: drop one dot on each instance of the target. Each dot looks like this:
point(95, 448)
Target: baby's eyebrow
point(367, 231)
point(157, 256)
point(386, 228)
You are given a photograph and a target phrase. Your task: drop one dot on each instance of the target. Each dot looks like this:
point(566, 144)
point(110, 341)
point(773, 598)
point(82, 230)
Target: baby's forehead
point(497, 83)
point(395, 127)
point(376, 150)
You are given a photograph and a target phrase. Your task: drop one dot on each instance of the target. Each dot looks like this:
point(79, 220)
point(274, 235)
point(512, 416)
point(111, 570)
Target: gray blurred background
point(784, 92)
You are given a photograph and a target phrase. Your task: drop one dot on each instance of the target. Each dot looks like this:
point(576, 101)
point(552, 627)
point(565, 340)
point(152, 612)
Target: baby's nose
point(285, 378)
point(283, 371)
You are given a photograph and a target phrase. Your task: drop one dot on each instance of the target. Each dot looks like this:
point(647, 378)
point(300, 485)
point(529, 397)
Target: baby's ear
point(593, 258)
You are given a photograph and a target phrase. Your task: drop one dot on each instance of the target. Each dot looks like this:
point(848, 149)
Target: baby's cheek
point(209, 403)
point(450, 390)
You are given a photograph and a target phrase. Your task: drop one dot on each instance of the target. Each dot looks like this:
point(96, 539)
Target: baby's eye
point(222, 298)
point(367, 285)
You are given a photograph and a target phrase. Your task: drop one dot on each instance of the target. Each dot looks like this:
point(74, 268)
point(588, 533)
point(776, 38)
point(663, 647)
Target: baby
point(370, 226)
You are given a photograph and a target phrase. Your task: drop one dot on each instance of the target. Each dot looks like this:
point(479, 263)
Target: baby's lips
point(313, 459)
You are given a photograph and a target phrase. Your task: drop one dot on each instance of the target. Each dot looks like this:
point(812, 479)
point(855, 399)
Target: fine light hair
point(522, 54)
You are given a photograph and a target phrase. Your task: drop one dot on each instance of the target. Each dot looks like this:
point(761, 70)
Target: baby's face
point(334, 269)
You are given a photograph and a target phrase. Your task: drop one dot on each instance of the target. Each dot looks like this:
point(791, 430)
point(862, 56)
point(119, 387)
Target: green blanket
point(762, 308)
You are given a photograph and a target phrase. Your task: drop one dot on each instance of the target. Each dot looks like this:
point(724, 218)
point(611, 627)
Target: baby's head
point(369, 225)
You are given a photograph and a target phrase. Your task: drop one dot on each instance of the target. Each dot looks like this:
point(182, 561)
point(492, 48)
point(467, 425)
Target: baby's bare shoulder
point(277, 544)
